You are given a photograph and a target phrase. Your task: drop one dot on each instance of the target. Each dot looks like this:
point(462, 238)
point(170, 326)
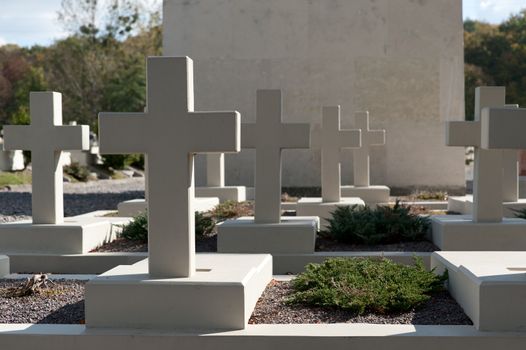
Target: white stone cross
point(492, 167)
point(269, 136)
point(170, 133)
point(46, 138)
point(331, 139)
point(361, 162)
point(215, 170)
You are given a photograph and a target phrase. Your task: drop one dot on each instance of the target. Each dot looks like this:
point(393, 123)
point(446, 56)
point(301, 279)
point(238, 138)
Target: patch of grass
point(431, 195)
point(382, 225)
point(366, 285)
point(231, 209)
point(15, 178)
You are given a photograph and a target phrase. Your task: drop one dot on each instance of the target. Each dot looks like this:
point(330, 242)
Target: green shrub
point(137, 229)
point(77, 171)
point(204, 225)
point(366, 285)
point(121, 161)
point(383, 225)
point(520, 213)
point(432, 195)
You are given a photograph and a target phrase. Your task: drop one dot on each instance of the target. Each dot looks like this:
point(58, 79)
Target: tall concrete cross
point(331, 139)
point(46, 138)
point(492, 167)
point(170, 133)
point(361, 166)
point(215, 170)
point(269, 136)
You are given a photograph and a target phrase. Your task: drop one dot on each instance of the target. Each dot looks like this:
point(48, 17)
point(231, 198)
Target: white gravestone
point(172, 289)
point(362, 187)
point(268, 231)
point(485, 229)
point(46, 138)
point(215, 181)
point(487, 96)
point(490, 286)
point(331, 139)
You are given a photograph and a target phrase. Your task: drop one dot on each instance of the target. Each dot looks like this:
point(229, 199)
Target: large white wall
point(400, 59)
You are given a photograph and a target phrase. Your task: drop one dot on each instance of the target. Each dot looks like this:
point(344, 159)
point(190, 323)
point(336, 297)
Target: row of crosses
point(170, 129)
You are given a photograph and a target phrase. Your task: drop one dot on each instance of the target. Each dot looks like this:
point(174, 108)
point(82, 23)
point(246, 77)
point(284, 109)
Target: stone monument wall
point(400, 59)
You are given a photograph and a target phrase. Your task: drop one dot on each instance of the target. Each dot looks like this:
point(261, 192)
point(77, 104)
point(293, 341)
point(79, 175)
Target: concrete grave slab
point(220, 295)
point(293, 234)
point(490, 287)
point(460, 232)
point(136, 206)
point(75, 235)
point(371, 195)
point(464, 205)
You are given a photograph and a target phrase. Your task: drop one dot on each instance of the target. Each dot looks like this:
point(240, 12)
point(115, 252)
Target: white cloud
point(494, 11)
point(2, 41)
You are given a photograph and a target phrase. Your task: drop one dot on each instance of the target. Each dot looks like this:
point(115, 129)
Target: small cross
point(46, 138)
point(361, 155)
point(170, 133)
point(491, 166)
point(269, 136)
point(332, 139)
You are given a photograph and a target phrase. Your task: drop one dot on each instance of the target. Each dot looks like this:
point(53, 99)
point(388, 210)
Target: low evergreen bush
point(77, 171)
point(137, 229)
point(366, 285)
point(382, 225)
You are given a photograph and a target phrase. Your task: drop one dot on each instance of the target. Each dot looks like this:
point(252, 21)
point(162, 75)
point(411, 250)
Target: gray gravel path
point(79, 198)
point(62, 303)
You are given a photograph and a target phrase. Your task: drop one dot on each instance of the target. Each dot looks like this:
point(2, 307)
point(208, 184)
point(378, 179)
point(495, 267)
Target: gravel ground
point(63, 303)
point(60, 303)
point(329, 245)
point(205, 245)
point(272, 309)
point(79, 198)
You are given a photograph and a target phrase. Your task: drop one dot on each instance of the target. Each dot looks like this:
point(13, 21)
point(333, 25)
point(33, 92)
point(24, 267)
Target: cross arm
point(71, 137)
point(350, 138)
point(462, 133)
point(122, 133)
point(18, 137)
point(217, 132)
point(503, 128)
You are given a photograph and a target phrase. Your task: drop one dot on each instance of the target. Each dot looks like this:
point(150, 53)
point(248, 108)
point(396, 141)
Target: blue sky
point(29, 22)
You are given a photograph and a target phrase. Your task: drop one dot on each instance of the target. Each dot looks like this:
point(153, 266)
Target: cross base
point(461, 233)
point(136, 206)
point(291, 235)
point(316, 207)
point(225, 193)
point(77, 235)
point(221, 295)
point(464, 205)
point(371, 195)
point(489, 286)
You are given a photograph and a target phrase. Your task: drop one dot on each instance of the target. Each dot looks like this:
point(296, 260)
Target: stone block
point(225, 193)
point(316, 207)
point(221, 294)
point(4, 266)
point(136, 206)
point(464, 205)
point(371, 195)
point(489, 286)
point(76, 235)
point(291, 235)
point(460, 232)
